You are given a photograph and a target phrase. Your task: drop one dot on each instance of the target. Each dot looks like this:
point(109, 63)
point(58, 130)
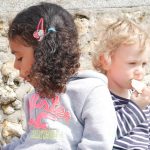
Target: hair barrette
point(40, 32)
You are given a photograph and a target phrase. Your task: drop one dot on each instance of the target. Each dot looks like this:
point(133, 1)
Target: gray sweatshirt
point(83, 118)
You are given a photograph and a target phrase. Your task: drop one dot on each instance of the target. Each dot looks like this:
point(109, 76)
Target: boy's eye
point(132, 63)
point(144, 64)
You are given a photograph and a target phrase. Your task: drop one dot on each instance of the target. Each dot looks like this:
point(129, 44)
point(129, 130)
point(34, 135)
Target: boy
point(122, 57)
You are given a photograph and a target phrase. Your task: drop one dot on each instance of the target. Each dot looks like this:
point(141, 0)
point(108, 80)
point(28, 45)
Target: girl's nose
point(139, 73)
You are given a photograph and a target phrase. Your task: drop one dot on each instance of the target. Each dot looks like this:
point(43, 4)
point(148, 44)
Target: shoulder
point(86, 87)
point(87, 79)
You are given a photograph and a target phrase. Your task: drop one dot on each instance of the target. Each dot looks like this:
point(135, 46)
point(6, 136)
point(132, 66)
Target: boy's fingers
point(146, 91)
point(134, 94)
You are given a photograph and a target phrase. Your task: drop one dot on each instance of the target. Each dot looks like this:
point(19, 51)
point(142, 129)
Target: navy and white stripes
point(133, 125)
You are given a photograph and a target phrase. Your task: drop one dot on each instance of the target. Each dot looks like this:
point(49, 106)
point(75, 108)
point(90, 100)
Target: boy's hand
point(143, 99)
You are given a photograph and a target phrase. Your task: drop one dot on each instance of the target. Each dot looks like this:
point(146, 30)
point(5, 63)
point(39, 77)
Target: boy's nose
point(139, 73)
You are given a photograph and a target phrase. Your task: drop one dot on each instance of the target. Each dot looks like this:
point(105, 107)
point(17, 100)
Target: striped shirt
point(133, 125)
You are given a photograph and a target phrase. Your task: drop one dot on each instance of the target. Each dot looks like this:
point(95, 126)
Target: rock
point(7, 95)
point(23, 89)
point(9, 70)
point(8, 109)
point(82, 25)
point(17, 116)
point(11, 129)
point(17, 104)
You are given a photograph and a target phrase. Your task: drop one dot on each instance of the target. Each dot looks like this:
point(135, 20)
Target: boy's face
point(127, 62)
point(24, 57)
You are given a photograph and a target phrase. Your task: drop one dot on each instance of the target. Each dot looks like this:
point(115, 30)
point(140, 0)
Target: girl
point(64, 112)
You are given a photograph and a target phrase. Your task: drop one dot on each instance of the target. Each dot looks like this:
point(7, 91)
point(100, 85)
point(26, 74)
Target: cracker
point(137, 85)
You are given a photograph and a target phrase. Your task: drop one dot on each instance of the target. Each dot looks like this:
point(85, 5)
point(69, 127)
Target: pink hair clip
point(40, 32)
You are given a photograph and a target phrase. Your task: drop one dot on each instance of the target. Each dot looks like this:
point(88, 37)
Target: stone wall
point(91, 16)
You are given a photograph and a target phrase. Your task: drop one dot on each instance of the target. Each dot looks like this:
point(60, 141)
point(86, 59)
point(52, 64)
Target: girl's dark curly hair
point(57, 55)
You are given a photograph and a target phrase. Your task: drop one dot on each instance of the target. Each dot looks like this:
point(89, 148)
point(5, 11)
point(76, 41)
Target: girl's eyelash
point(19, 59)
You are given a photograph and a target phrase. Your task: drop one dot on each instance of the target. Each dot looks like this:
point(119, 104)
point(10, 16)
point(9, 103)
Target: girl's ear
point(105, 62)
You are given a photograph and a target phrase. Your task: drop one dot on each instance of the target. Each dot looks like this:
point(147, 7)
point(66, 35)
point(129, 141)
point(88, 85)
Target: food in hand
point(137, 85)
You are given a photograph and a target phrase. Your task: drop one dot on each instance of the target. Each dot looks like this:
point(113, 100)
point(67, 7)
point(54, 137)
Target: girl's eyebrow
point(13, 52)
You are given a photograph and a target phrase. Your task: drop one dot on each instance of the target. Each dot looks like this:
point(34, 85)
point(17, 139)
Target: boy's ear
point(105, 62)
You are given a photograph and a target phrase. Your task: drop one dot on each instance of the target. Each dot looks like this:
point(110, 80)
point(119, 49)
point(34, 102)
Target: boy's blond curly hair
point(121, 32)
